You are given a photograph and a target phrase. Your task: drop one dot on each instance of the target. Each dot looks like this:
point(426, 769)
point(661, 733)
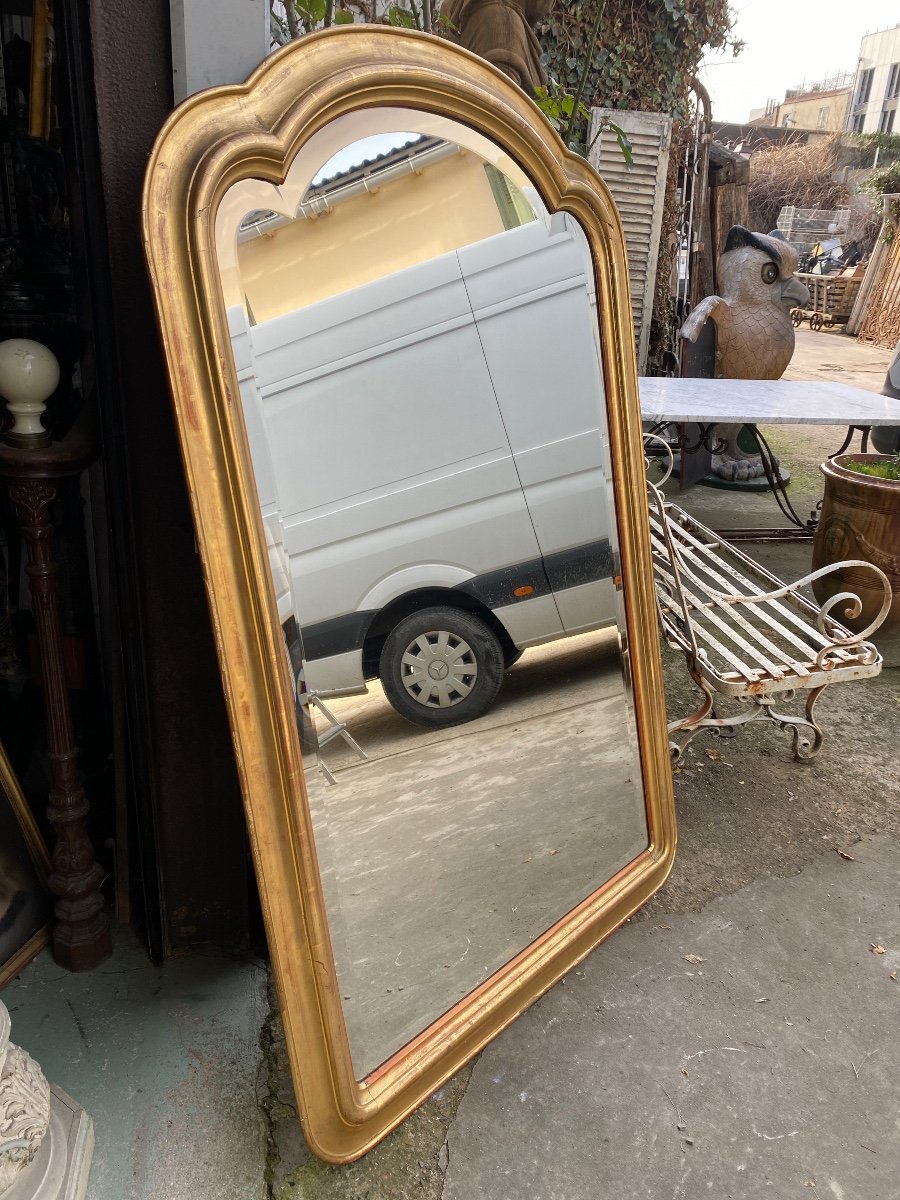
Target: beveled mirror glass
point(396, 315)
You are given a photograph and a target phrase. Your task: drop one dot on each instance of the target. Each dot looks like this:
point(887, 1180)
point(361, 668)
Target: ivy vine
point(643, 54)
point(640, 55)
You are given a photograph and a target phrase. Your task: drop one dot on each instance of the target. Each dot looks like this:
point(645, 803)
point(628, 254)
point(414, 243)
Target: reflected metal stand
point(337, 728)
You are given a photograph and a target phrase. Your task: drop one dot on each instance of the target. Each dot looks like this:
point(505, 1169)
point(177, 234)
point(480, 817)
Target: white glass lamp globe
point(29, 373)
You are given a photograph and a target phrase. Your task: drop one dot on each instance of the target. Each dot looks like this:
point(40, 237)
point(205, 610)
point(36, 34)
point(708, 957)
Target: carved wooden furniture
point(81, 936)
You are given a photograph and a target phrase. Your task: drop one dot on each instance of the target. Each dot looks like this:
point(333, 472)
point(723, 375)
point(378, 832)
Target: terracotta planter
point(860, 519)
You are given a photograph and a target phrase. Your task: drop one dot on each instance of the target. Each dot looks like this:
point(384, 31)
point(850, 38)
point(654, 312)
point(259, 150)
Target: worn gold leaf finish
point(214, 140)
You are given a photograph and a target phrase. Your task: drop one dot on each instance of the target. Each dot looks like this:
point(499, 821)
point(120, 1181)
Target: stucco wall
point(412, 218)
point(878, 52)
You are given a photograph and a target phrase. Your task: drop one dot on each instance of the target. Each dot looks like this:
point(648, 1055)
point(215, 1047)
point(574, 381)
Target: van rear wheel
point(441, 667)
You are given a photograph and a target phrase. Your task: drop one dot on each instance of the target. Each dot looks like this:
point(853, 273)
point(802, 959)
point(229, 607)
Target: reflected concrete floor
point(448, 852)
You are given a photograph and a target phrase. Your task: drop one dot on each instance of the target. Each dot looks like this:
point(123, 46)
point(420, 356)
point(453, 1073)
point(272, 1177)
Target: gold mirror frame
point(214, 140)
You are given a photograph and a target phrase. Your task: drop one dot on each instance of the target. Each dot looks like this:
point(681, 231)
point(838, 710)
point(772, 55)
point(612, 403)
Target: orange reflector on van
point(525, 590)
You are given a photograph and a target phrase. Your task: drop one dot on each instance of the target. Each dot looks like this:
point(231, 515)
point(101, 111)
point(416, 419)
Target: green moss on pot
point(889, 468)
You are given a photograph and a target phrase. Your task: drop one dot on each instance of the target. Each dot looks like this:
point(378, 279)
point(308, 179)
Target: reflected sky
point(366, 149)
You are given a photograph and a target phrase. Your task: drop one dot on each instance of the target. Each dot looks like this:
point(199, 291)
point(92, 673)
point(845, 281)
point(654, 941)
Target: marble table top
point(764, 402)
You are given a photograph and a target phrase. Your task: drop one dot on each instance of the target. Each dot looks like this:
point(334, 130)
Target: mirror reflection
point(416, 345)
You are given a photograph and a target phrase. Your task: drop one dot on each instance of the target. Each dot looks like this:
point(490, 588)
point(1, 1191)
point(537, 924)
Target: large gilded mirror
point(396, 315)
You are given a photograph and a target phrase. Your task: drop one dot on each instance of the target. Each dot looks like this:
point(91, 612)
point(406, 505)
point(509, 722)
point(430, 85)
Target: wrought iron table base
point(799, 529)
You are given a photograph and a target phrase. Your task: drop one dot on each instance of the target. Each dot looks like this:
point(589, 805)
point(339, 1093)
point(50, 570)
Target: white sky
point(789, 42)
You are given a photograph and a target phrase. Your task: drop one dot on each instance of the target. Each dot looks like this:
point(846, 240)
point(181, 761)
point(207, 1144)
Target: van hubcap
point(438, 669)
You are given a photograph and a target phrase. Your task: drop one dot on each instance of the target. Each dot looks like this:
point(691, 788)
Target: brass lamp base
point(27, 441)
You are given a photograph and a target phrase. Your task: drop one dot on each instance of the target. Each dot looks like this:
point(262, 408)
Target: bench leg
point(806, 734)
point(694, 722)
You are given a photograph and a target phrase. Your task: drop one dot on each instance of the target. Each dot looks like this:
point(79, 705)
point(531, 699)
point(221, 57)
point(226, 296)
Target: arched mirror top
point(266, 229)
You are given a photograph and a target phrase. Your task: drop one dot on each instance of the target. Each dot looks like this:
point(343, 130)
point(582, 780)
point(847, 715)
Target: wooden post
point(729, 181)
point(81, 936)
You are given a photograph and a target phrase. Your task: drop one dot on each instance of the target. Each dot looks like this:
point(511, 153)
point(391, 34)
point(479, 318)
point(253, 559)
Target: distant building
point(820, 106)
point(876, 88)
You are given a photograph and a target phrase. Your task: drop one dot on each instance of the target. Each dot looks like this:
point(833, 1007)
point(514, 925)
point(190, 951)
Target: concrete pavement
point(167, 1061)
point(747, 1050)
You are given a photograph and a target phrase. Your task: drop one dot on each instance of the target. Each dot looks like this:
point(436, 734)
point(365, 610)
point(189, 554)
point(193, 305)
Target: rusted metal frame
point(751, 674)
point(810, 649)
point(836, 640)
point(760, 709)
point(769, 533)
point(728, 685)
point(806, 609)
point(723, 626)
point(671, 564)
point(783, 610)
point(656, 499)
point(678, 555)
point(775, 651)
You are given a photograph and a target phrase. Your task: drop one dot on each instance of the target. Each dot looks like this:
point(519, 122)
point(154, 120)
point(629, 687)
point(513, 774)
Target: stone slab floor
point(167, 1061)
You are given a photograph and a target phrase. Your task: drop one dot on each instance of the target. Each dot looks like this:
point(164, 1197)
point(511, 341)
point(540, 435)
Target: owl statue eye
point(769, 272)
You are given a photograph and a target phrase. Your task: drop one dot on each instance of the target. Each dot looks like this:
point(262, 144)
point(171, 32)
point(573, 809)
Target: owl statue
point(754, 332)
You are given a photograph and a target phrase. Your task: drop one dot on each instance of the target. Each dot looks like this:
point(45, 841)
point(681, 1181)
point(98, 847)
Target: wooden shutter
point(639, 192)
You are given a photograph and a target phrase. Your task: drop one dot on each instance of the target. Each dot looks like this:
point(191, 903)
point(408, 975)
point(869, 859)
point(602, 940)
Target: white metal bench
point(746, 635)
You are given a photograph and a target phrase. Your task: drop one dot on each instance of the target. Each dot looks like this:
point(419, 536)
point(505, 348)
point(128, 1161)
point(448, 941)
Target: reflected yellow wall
point(408, 220)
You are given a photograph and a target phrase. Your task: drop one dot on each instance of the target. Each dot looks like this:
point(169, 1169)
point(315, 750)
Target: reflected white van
point(466, 513)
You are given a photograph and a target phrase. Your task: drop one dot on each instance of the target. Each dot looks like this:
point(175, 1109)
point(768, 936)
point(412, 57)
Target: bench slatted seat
point(747, 636)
